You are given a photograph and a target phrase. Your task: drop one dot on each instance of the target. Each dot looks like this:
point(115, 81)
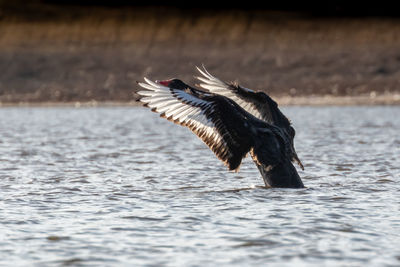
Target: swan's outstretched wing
point(258, 104)
point(217, 120)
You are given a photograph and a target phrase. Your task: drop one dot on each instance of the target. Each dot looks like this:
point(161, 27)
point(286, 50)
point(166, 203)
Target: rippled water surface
point(120, 186)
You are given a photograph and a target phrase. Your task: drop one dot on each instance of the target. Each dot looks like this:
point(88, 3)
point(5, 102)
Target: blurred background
point(95, 51)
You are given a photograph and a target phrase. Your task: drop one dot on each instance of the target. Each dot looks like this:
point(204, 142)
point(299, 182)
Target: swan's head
point(173, 83)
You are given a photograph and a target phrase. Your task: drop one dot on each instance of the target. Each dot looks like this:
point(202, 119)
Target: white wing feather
point(186, 110)
point(216, 86)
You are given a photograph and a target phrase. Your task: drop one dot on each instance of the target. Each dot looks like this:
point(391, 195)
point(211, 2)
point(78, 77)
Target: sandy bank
point(97, 54)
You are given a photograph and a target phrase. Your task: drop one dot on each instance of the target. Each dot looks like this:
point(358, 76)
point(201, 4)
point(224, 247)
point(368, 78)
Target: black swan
point(232, 121)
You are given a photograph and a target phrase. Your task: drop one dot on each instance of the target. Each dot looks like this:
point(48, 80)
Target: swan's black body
point(232, 121)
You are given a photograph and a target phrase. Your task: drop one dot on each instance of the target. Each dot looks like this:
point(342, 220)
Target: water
point(120, 186)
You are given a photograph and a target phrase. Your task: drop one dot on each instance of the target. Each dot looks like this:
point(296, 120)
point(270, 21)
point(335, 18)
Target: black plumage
point(232, 121)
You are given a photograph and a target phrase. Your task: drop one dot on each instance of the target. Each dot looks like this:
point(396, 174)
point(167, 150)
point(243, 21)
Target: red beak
point(165, 82)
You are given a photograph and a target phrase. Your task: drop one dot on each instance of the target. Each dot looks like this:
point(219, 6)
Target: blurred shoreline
point(82, 54)
point(327, 100)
